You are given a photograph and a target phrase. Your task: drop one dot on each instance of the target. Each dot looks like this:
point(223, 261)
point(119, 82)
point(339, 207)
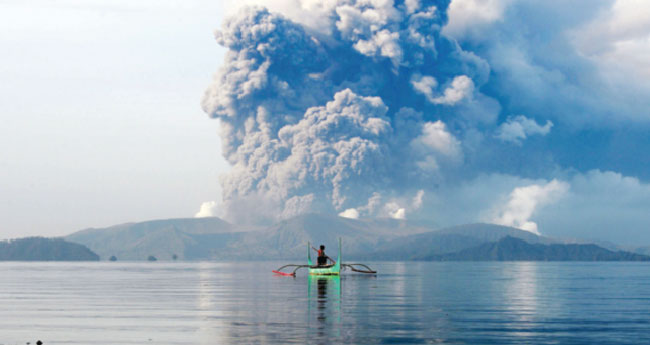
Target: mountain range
point(515, 249)
point(368, 239)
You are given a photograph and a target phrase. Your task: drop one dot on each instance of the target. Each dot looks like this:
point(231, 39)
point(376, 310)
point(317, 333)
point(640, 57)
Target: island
point(44, 249)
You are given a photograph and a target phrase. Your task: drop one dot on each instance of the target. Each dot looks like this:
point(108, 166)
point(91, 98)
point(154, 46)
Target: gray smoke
point(372, 110)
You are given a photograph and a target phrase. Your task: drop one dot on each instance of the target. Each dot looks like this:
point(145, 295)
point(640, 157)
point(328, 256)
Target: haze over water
point(415, 303)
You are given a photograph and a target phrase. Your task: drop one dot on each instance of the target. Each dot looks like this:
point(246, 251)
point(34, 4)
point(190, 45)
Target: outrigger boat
point(324, 270)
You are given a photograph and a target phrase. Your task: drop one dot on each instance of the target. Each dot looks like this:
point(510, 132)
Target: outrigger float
point(327, 270)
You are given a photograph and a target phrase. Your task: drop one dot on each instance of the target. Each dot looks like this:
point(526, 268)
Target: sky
point(100, 113)
point(531, 114)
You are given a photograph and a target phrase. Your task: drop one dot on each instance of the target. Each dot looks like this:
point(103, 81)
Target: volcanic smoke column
point(359, 115)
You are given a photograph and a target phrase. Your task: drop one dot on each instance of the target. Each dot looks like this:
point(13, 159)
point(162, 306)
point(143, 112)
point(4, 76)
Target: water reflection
point(210, 316)
point(521, 293)
point(241, 303)
point(327, 301)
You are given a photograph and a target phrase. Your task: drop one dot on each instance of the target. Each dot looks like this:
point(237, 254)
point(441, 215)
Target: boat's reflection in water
point(324, 298)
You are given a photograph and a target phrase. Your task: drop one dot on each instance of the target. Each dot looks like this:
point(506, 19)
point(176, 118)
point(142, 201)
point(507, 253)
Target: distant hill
point(44, 249)
point(373, 239)
point(644, 250)
point(188, 238)
point(448, 240)
point(515, 249)
point(288, 239)
point(215, 239)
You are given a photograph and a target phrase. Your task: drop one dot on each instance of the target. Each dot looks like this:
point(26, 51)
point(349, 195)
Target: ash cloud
point(404, 108)
point(326, 120)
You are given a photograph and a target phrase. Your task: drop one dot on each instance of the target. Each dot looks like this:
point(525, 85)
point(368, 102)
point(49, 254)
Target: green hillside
point(44, 249)
point(515, 249)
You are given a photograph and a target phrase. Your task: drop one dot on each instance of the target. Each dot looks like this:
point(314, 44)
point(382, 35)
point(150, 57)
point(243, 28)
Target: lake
point(244, 303)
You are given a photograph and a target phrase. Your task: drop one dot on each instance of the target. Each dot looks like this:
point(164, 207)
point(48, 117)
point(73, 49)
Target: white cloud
point(467, 17)
point(350, 213)
point(208, 209)
point(412, 5)
point(603, 205)
point(436, 143)
point(424, 84)
point(367, 27)
point(373, 203)
point(383, 43)
point(619, 39)
point(436, 137)
point(461, 87)
point(520, 127)
point(399, 214)
point(311, 13)
point(417, 199)
point(524, 201)
point(394, 210)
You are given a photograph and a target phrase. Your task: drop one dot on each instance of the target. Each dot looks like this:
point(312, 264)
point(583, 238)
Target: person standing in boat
point(322, 257)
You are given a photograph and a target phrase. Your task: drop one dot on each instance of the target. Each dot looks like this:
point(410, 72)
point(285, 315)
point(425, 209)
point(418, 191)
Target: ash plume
point(395, 108)
point(325, 121)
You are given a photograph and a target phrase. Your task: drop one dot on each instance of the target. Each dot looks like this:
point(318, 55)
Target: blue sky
point(532, 114)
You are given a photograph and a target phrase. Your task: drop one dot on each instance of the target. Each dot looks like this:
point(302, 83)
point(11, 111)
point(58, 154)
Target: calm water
point(407, 303)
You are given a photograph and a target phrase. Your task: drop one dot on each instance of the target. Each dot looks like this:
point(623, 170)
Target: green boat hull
point(331, 271)
point(324, 271)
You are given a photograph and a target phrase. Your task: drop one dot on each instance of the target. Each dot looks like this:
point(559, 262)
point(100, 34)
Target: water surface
point(406, 303)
